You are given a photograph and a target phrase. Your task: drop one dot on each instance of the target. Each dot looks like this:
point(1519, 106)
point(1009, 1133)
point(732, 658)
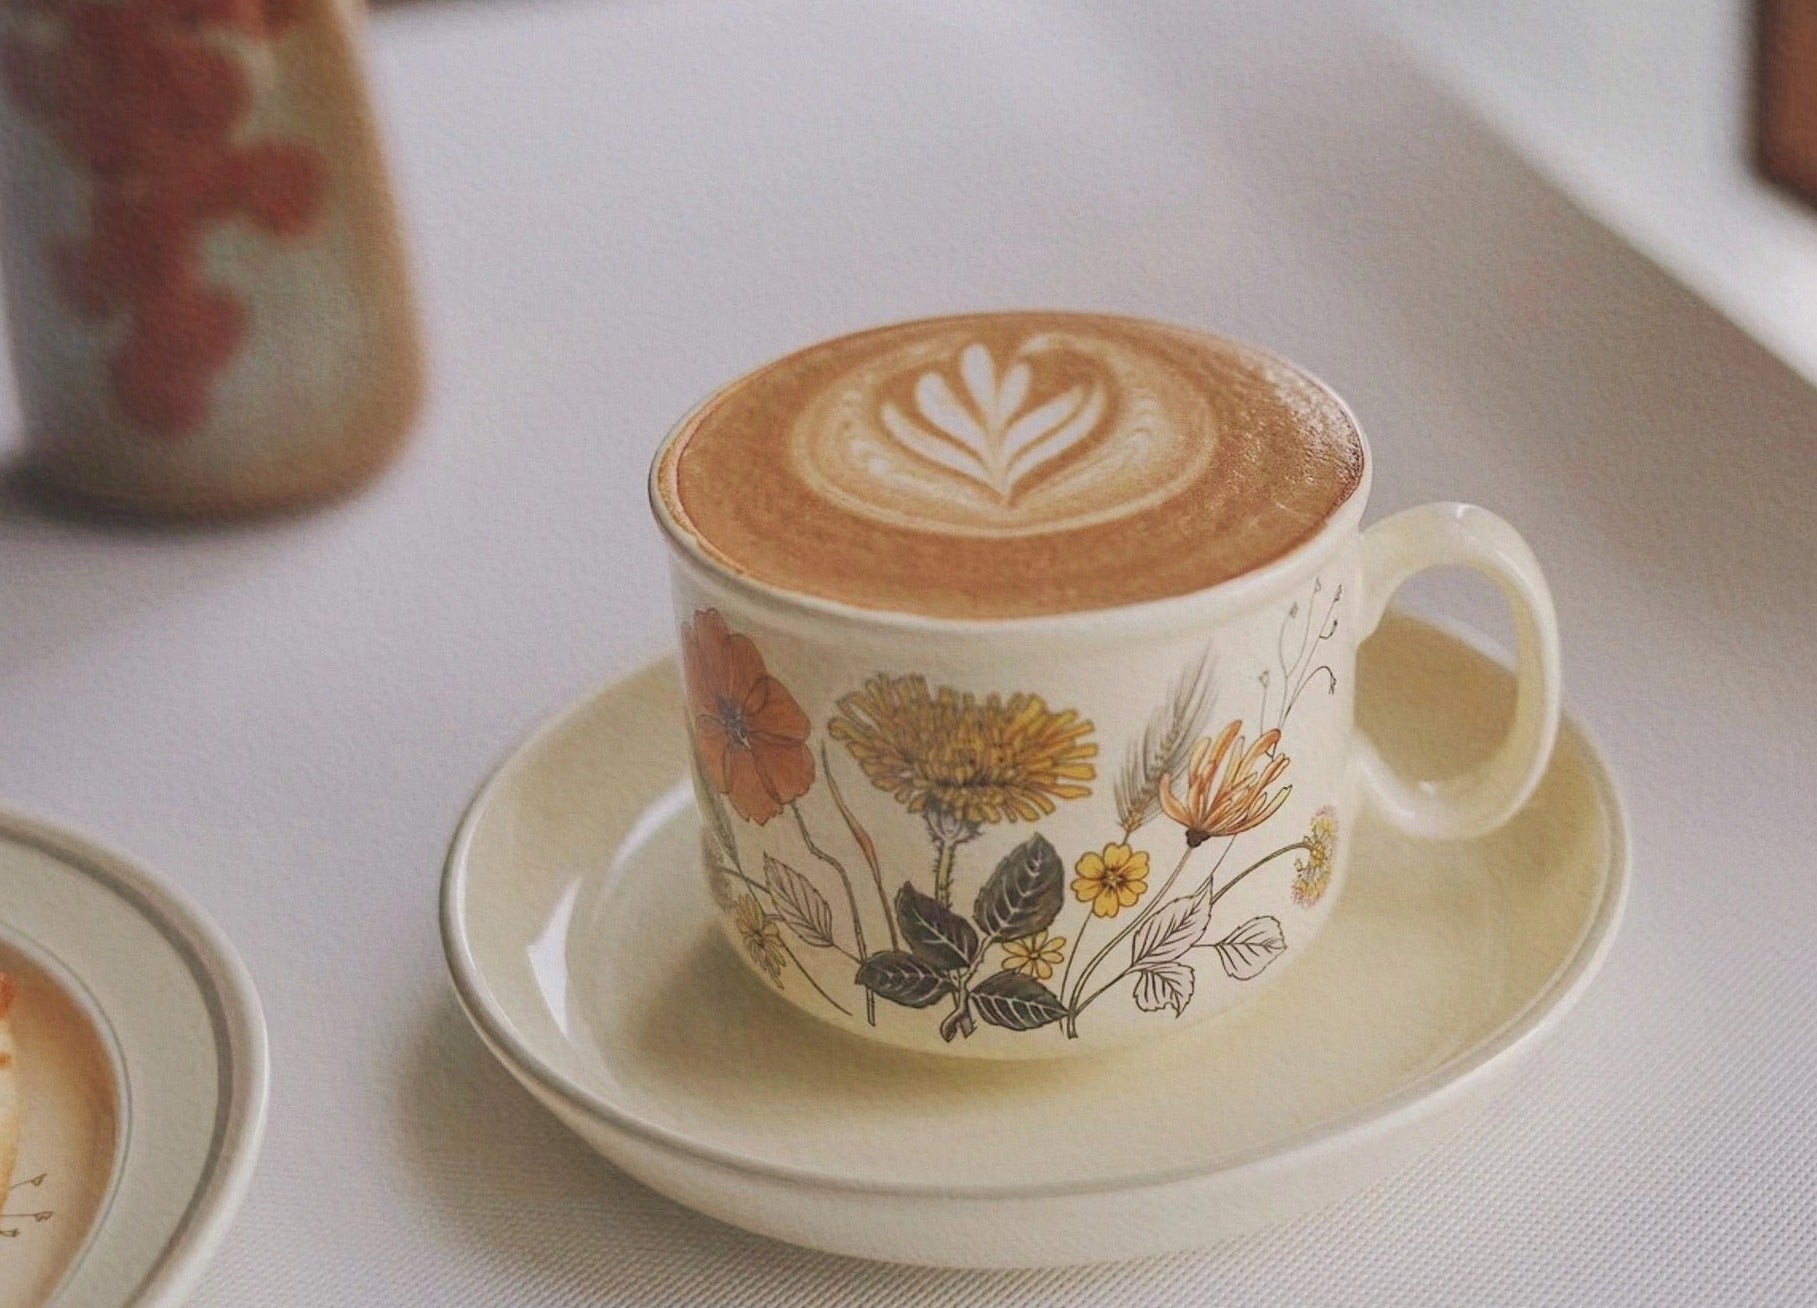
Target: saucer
point(582, 943)
point(142, 1063)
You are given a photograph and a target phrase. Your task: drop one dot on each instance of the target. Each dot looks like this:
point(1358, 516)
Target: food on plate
point(9, 1088)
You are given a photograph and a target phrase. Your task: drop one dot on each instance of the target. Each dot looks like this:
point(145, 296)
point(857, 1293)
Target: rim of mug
point(1253, 584)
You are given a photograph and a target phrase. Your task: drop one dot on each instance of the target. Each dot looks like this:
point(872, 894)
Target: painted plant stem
point(1074, 1009)
point(1205, 885)
point(1073, 953)
point(1228, 886)
point(866, 846)
point(1093, 996)
point(943, 870)
point(757, 887)
point(961, 1016)
point(1326, 669)
point(1136, 920)
point(1296, 679)
point(819, 989)
point(851, 899)
point(1154, 902)
point(769, 893)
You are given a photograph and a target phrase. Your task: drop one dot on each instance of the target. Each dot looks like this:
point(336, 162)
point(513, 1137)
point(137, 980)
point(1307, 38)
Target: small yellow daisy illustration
point(762, 941)
point(1037, 955)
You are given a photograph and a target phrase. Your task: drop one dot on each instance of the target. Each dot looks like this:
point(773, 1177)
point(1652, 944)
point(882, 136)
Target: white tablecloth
point(618, 203)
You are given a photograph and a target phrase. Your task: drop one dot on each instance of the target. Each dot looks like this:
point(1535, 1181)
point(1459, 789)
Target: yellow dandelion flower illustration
point(1111, 881)
point(1037, 955)
point(961, 761)
point(1312, 873)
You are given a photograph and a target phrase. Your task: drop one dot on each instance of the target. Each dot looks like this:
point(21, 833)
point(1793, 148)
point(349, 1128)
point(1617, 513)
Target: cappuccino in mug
point(1009, 465)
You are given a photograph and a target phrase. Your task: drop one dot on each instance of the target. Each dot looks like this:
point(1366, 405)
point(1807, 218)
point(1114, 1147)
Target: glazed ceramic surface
point(1046, 835)
point(588, 955)
point(205, 284)
point(143, 1064)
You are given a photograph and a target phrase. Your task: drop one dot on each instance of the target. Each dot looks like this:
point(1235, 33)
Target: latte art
point(1009, 464)
point(993, 436)
point(980, 432)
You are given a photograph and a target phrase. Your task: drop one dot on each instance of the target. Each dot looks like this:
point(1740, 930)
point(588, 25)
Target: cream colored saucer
point(581, 940)
point(141, 1053)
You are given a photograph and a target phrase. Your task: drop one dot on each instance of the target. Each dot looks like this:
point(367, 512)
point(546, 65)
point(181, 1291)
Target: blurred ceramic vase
point(206, 291)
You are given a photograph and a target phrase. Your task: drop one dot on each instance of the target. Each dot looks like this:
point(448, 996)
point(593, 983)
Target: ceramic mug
point(209, 308)
point(1032, 835)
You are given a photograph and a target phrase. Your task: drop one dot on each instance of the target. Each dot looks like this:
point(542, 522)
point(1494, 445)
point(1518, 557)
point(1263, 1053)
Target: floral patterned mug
point(1019, 654)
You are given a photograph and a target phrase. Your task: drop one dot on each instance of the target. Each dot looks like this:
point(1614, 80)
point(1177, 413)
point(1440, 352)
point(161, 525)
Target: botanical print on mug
point(1041, 936)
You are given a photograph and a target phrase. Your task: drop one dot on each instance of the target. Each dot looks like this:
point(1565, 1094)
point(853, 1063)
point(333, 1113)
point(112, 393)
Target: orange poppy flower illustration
point(750, 733)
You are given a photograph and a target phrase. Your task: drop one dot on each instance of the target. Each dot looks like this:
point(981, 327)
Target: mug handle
point(1489, 793)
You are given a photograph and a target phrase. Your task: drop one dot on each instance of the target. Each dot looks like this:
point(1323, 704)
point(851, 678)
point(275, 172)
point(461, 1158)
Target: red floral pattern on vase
point(146, 98)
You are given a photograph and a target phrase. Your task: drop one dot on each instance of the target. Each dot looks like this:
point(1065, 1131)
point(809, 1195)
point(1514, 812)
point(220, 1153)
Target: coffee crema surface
point(1010, 465)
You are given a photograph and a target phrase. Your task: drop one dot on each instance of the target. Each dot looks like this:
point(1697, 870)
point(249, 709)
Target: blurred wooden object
point(1786, 107)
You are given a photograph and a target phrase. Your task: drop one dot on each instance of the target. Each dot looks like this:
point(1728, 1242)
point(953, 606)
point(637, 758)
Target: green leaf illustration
point(938, 936)
point(1024, 894)
point(902, 979)
point(1016, 1002)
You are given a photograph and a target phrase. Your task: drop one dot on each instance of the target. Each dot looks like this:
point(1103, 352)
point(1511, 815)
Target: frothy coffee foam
point(1010, 464)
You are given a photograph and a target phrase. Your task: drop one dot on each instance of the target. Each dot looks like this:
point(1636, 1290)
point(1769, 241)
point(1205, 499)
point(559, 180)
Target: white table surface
point(618, 203)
